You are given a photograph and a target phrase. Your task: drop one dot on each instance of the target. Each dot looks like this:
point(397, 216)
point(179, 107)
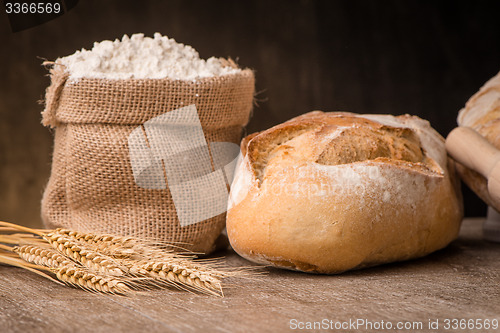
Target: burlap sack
point(92, 187)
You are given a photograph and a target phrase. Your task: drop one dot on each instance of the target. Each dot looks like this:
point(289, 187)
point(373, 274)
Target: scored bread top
point(337, 138)
point(328, 192)
point(483, 108)
point(482, 111)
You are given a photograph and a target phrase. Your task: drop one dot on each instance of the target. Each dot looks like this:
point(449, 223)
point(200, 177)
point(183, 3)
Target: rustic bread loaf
point(330, 192)
point(482, 113)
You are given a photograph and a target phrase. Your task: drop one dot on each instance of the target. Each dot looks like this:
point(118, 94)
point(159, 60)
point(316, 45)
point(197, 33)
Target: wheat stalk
point(107, 263)
point(6, 258)
point(68, 271)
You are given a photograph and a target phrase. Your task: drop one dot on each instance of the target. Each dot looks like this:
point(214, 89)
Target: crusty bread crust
point(482, 113)
point(330, 192)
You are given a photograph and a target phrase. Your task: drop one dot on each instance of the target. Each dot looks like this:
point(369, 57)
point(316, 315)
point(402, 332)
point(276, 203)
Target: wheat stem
point(21, 264)
point(21, 228)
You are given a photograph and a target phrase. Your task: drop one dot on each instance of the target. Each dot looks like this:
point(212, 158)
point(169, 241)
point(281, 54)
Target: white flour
point(142, 57)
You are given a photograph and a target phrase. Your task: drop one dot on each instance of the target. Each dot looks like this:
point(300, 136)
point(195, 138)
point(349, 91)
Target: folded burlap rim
point(128, 102)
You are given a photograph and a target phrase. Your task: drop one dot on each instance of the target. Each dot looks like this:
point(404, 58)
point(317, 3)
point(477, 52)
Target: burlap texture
point(92, 187)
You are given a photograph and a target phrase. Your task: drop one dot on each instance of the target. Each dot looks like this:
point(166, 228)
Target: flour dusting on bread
point(329, 192)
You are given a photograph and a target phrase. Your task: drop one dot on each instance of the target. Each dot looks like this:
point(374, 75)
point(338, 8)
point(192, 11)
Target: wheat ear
point(125, 255)
point(83, 278)
point(110, 264)
point(76, 250)
point(173, 269)
point(117, 247)
point(42, 256)
point(181, 277)
point(69, 272)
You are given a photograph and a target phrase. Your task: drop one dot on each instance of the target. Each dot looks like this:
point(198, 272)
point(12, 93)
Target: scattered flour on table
point(139, 57)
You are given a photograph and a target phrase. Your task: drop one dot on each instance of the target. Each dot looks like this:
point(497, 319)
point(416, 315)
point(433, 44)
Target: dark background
point(418, 57)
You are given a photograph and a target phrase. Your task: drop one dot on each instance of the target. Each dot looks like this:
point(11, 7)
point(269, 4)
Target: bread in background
point(482, 113)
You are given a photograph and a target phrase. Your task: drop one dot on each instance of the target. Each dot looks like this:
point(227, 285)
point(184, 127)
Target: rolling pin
point(472, 150)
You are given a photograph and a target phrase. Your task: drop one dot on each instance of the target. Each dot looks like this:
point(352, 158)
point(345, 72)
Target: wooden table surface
point(461, 281)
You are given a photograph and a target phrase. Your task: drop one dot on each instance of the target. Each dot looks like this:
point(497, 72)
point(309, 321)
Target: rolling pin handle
point(469, 148)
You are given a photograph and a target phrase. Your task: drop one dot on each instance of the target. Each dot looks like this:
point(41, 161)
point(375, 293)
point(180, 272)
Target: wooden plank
point(461, 281)
point(28, 303)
